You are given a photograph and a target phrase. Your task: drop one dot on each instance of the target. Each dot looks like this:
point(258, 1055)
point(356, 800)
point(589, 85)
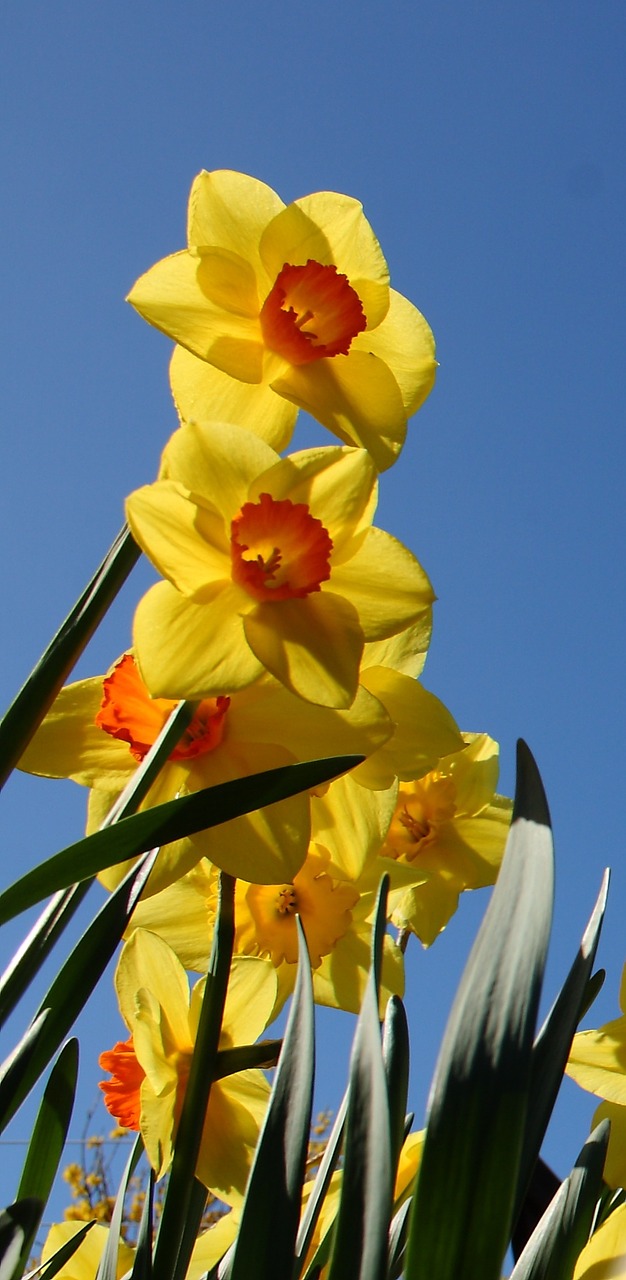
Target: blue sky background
point(486, 142)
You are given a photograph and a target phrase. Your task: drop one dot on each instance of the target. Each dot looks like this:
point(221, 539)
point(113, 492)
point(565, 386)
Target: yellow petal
point(235, 1114)
point(604, 1256)
point(427, 908)
point(231, 210)
point(217, 462)
point(351, 823)
point(404, 341)
point(356, 397)
point(615, 1162)
point(172, 298)
point(147, 961)
point(181, 914)
point(331, 228)
point(69, 744)
point(202, 392)
point(475, 772)
point(211, 1245)
point(84, 1262)
point(597, 1061)
point(313, 646)
point(157, 1127)
point(181, 540)
point(405, 652)
point(385, 583)
point(267, 712)
point(338, 485)
point(341, 979)
point(187, 650)
point(250, 1000)
point(424, 730)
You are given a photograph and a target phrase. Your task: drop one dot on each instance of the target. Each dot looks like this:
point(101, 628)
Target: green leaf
point(69, 991)
point(107, 1269)
point(37, 946)
point(324, 1174)
point(38, 693)
point(267, 1233)
point(262, 1055)
point(16, 1225)
point(142, 1265)
point(553, 1248)
point(164, 823)
point(397, 1240)
point(50, 1268)
point(169, 1259)
point(552, 1046)
point(463, 1203)
point(396, 1060)
point(360, 1242)
point(48, 1137)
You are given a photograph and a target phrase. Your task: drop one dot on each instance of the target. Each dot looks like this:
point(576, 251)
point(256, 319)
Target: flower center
point(122, 1096)
point(279, 551)
point(129, 713)
point(311, 312)
point(422, 807)
point(324, 907)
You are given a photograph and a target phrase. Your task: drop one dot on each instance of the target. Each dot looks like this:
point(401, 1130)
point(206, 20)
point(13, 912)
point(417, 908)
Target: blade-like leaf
point(48, 1137)
point(266, 1238)
point(165, 823)
point(38, 693)
point(37, 946)
point(553, 1248)
point(552, 1046)
point(327, 1166)
point(54, 1264)
point(142, 1265)
point(361, 1234)
point(169, 1258)
point(243, 1057)
point(72, 987)
point(107, 1269)
point(396, 1060)
point(463, 1203)
point(397, 1240)
point(16, 1225)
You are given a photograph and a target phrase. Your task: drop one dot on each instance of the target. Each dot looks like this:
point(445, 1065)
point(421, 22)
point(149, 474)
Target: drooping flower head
point(270, 564)
point(292, 306)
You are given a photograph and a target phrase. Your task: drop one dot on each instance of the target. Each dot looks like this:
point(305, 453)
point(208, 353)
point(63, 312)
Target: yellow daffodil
point(150, 1071)
point(84, 1262)
point(292, 303)
point(100, 729)
point(270, 564)
point(448, 831)
point(336, 916)
point(604, 1256)
point(597, 1060)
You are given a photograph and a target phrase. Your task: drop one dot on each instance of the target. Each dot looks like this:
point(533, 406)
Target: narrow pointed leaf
point(360, 1242)
point(552, 1046)
point(48, 1137)
point(108, 1262)
point(37, 946)
point(396, 1060)
point(40, 689)
point(74, 983)
point(327, 1165)
point(553, 1248)
point(165, 823)
point(477, 1107)
point(142, 1265)
point(269, 1224)
point(51, 1267)
point(397, 1241)
point(262, 1055)
point(16, 1225)
point(180, 1191)
point(193, 1220)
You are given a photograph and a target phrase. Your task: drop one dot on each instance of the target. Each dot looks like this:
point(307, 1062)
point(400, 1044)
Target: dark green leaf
point(553, 1248)
point(37, 946)
point(262, 1055)
point(16, 1225)
point(324, 1174)
point(50, 1268)
point(48, 1137)
point(267, 1233)
point(142, 1265)
point(38, 693)
point(397, 1241)
point(396, 1060)
point(108, 1262)
point(72, 987)
point(463, 1203)
point(164, 823)
point(169, 1259)
point(552, 1046)
point(361, 1234)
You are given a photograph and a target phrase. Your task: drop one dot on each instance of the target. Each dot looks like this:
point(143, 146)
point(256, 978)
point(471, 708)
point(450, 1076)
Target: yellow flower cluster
point(299, 630)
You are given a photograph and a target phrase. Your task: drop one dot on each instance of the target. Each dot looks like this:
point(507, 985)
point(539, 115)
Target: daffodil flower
point(150, 1071)
point(270, 564)
point(448, 832)
point(336, 915)
point(98, 731)
point(597, 1060)
point(292, 303)
point(604, 1255)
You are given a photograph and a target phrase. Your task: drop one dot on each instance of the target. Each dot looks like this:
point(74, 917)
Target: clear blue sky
point(486, 142)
